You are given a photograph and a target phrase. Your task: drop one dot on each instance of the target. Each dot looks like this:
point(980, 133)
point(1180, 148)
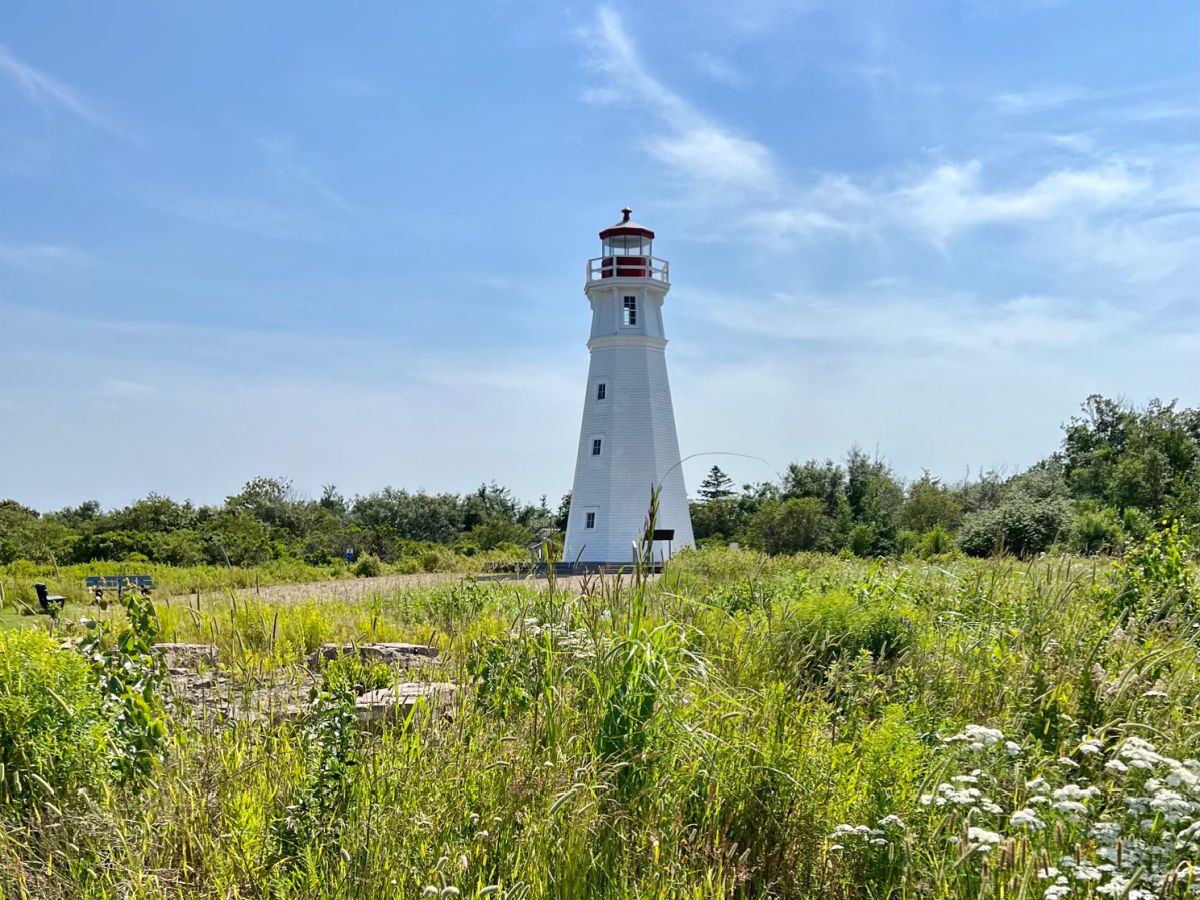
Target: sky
point(346, 243)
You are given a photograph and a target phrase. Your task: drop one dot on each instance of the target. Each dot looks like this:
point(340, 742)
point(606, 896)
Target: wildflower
point(1090, 746)
point(1139, 754)
point(891, 821)
point(1068, 762)
point(977, 737)
point(1172, 805)
point(1013, 748)
point(981, 839)
point(1059, 889)
point(1075, 792)
point(1072, 809)
point(1115, 765)
point(1027, 817)
point(1038, 784)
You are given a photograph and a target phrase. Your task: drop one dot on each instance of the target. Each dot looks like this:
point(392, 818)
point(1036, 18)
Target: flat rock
point(188, 656)
point(389, 653)
point(393, 704)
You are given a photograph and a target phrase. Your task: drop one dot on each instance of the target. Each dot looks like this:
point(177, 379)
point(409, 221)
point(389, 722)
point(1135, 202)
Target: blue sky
point(346, 243)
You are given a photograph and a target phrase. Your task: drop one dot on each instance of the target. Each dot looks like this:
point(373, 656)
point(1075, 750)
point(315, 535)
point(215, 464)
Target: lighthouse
point(627, 442)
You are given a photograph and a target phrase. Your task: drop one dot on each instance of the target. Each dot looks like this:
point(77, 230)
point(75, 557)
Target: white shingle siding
point(636, 424)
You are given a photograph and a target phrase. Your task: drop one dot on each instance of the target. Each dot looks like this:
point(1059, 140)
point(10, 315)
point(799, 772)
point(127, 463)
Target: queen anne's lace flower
point(1027, 818)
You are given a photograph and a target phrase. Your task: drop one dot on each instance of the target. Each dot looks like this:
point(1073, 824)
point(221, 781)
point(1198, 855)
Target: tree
point(789, 526)
point(930, 505)
point(716, 486)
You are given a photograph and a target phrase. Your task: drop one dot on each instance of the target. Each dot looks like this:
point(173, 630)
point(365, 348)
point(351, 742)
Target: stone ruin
point(202, 689)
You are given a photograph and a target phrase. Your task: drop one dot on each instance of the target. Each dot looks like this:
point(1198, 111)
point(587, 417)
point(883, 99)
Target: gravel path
point(356, 589)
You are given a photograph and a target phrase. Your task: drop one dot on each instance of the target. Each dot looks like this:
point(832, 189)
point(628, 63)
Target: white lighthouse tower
point(627, 443)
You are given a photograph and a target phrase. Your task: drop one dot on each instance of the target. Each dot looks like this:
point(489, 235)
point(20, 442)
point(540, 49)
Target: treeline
point(269, 520)
point(1120, 471)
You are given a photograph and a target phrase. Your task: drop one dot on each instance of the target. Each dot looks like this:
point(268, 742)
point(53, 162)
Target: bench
point(50, 603)
point(98, 584)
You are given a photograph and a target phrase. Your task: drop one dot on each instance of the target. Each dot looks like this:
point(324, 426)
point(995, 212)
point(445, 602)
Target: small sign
point(664, 534)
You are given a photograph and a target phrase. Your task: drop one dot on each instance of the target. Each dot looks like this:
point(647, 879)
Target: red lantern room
point(627, 252)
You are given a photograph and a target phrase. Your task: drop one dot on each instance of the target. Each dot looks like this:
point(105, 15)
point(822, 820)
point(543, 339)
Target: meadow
point(810, 726)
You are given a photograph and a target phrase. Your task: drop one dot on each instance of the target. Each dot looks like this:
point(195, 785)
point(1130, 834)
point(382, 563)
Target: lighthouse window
point(630, 310)
point(596, 447)
point(600, 391)
point(591, 520)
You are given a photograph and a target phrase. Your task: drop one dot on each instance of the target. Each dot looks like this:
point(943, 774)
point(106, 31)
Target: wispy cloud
point(701, 149)
point(294, 176)
point(719, 70)
point(296, 207)
point(39, 257)
point(49, 94)
point(1038, 99)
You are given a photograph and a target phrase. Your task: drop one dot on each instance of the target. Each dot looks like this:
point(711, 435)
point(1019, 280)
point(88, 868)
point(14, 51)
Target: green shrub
point(839, 625)
point(368, 567)
point(53, 732)
point(937, 541)
point(1097, 531)
point(1023, 526)
point(1155, 579)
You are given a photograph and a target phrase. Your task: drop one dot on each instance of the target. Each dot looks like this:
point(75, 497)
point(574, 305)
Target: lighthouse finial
point(626, 212)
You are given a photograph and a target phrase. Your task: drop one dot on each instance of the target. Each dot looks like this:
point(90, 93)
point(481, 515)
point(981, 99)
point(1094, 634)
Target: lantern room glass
point(627, 245)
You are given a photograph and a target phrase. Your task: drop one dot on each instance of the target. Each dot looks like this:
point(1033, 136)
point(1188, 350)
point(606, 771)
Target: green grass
point(808, 727)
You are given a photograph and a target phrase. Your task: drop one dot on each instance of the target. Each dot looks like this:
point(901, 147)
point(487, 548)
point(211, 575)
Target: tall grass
point(741, 727)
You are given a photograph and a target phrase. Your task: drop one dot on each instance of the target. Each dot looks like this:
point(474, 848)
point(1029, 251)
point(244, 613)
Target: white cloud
point(699, 148)
point(951, 199)
point(1038, 99)
point(49, 93)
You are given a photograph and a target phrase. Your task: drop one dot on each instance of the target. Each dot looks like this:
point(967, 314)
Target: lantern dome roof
point(626, 227)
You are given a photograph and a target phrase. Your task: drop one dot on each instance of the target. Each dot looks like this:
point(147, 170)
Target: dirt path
point(357, 589)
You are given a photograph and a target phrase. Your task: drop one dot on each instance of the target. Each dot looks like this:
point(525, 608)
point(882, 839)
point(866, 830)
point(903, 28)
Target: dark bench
point(50, 603)
point(98, 584)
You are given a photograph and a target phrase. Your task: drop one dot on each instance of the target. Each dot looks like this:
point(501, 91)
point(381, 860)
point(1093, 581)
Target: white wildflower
point(1058, 890)
point(1013, 748)
point(1115, 765)
point(1028, 818)
point(1172, 805)
point(981, 839)
point(1139, 753)
point(1072, 809)
point(1075, 792)
point(977, 737)
point(1090, 746)
point(891, 821)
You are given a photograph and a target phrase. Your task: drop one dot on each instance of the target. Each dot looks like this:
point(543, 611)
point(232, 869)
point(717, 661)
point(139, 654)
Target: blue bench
point(98, 584)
